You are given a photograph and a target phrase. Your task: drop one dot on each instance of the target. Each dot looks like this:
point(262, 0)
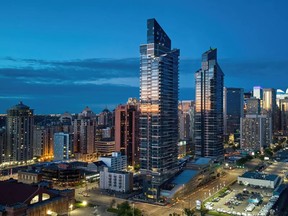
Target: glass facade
point(209, 107)
point(158, 109)
point(269, 106)
point(233, 111)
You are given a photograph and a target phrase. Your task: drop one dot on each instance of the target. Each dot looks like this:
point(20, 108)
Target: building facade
point(283, 104)
point(209, 107)
point(256, 132)
point(158, 109)
point(62, 150)
point(260, 179)
point(33, 200)
point(116, 180)
point(233, 111)
point(85, 132)
point(258, 92)
point(252, 106)
point(269, 106)
point(127, 130)
point(20, 123)
point(116, 162)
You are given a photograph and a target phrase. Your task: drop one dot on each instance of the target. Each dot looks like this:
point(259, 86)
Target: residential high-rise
point(84, 132)
point(258, 92)
point(185, 127)
point(209, 107)
point(158, 109)
point(233, 111)
point(280, 94)
point(61, 146)
point(256, 132)
point(252, 106)
point(269, 106)
point(127, 130)
point(43, 141)
point(3, 147)
point(185, 122)
point(269, 100)
point(284, 116)
point(19, 134)
point(105, 118)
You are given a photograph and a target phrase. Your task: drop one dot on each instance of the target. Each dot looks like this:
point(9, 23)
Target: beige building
point(29, 176)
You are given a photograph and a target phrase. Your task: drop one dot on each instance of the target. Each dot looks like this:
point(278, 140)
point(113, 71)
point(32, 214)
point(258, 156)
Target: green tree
point(124, 209)
point(188, 212)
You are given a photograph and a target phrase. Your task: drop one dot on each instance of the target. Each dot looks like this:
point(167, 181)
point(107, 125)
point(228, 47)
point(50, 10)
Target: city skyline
point(49, 52)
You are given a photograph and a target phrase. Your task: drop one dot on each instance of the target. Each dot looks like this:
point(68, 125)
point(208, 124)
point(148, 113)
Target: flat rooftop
point(202, 161)
point(185, 177)
point(257, 175)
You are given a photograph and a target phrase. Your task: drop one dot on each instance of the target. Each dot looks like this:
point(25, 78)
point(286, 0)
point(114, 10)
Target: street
point(202, 193)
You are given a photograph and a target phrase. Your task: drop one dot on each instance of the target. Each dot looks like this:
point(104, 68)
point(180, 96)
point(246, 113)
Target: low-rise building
point(31, 200)
point(260, 179)
point(61, 173)
point(29, 176)
point(116, 180)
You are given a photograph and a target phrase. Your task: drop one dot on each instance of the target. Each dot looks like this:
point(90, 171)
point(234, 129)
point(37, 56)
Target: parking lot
point(240, 200)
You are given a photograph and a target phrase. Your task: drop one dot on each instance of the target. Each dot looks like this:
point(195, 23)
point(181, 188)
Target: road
point(95, 196)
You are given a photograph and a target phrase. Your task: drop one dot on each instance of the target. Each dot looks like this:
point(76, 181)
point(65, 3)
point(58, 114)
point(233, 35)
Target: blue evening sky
point(61, 55)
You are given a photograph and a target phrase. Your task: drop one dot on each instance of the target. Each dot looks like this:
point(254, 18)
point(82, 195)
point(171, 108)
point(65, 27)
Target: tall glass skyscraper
point(233, 111)
point(158, 109)
point(209, 107)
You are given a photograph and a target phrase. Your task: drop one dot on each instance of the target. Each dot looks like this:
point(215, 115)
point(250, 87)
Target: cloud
point(55, 86)
point(95, 68)
point(122, 81)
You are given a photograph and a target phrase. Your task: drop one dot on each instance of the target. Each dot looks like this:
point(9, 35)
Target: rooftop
point(257, 175)
point(185, 177)
point(15, 192)
point(203, 161)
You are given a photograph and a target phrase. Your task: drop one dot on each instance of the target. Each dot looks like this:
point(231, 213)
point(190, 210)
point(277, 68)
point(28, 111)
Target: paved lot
point(230, 204)
point(278, 168)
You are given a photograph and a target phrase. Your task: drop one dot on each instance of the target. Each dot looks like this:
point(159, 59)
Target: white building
point(116, 162)
point(260, 179)
point(106, 133)
point(255, 132)
point(61, 146)
point(116, 180)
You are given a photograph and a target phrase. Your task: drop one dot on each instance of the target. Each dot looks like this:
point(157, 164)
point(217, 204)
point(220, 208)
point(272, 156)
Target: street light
point(84, 203)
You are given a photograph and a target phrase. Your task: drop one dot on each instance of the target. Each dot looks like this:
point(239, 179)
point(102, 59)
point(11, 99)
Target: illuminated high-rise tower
point(209, 107)
point(19, 134)
point(158, 109)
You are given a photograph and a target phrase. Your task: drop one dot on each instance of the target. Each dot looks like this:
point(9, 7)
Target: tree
point(188, 212)
point(124, 209)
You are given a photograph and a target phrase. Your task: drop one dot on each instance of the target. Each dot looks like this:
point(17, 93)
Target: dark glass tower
point(158, 109)
point(233, 111)
point(209, 107)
